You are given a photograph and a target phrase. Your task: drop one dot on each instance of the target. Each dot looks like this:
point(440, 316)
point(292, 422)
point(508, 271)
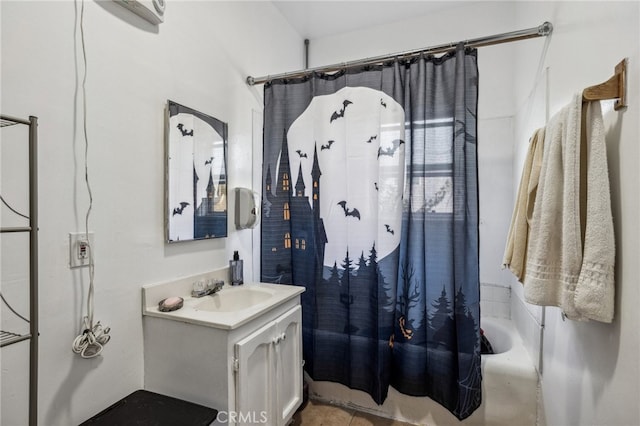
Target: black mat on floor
point(144, 408)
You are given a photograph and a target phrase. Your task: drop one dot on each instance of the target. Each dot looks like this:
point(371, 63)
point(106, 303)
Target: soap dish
point(170, 304)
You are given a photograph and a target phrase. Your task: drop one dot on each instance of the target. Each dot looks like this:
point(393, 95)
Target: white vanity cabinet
point(249, 370)
point(268, 365)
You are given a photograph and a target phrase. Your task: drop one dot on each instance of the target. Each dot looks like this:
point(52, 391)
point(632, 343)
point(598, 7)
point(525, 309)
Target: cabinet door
point(288, 349)
point(255, 402)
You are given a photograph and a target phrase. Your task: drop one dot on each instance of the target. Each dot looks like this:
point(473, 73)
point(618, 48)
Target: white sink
point(232, 299)
point(229, 308)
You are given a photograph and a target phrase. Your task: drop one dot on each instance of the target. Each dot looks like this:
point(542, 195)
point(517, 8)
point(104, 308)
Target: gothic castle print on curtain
point(370, 203)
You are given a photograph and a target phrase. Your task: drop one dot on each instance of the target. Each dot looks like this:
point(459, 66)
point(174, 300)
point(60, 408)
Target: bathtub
point(509, 389)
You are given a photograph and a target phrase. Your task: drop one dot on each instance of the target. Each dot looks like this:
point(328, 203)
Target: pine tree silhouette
point(362, 266)
point(334, 277)
point(468, 333)
point(460, 303)
point(345, 281)
point(373, 255)
point(347, 267)
point(388, 301)
point(373, 269)
point(442, 321)
point(346, 298)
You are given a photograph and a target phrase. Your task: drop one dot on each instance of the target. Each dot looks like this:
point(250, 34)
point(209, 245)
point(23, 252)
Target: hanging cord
point(93, 338)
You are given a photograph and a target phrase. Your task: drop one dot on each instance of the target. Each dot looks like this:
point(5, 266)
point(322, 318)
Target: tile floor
point(316, 413)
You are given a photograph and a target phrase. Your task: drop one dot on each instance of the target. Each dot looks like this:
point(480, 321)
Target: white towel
point(515, 253)
point(595, 291)
point(562, 269)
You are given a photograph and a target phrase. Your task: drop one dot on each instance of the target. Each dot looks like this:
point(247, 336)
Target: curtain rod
point(540, 31)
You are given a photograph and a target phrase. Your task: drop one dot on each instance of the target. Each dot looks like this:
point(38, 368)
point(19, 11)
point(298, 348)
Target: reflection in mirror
point(196, 181)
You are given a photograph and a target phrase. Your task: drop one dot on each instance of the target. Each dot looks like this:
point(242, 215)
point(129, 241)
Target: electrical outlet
point(79, 249)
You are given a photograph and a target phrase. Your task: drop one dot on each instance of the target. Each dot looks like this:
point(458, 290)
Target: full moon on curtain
point(370, 203)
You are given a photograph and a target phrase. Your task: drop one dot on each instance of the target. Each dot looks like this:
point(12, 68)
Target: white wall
point(590, 371)
point(198, 57)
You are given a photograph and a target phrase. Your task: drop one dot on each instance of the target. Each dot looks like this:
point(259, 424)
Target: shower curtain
point(370, 202)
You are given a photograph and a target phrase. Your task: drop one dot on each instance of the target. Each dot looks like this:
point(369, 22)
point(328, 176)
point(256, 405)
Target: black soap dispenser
point(235, 266)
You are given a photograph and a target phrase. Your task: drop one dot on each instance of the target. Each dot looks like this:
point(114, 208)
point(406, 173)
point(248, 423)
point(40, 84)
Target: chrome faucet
point(204, 288)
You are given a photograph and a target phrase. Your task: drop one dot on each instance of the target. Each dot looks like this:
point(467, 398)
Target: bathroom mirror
point(196, 179)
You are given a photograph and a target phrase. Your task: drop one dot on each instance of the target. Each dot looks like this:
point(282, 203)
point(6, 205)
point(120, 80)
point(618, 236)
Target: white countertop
point(152, 294)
